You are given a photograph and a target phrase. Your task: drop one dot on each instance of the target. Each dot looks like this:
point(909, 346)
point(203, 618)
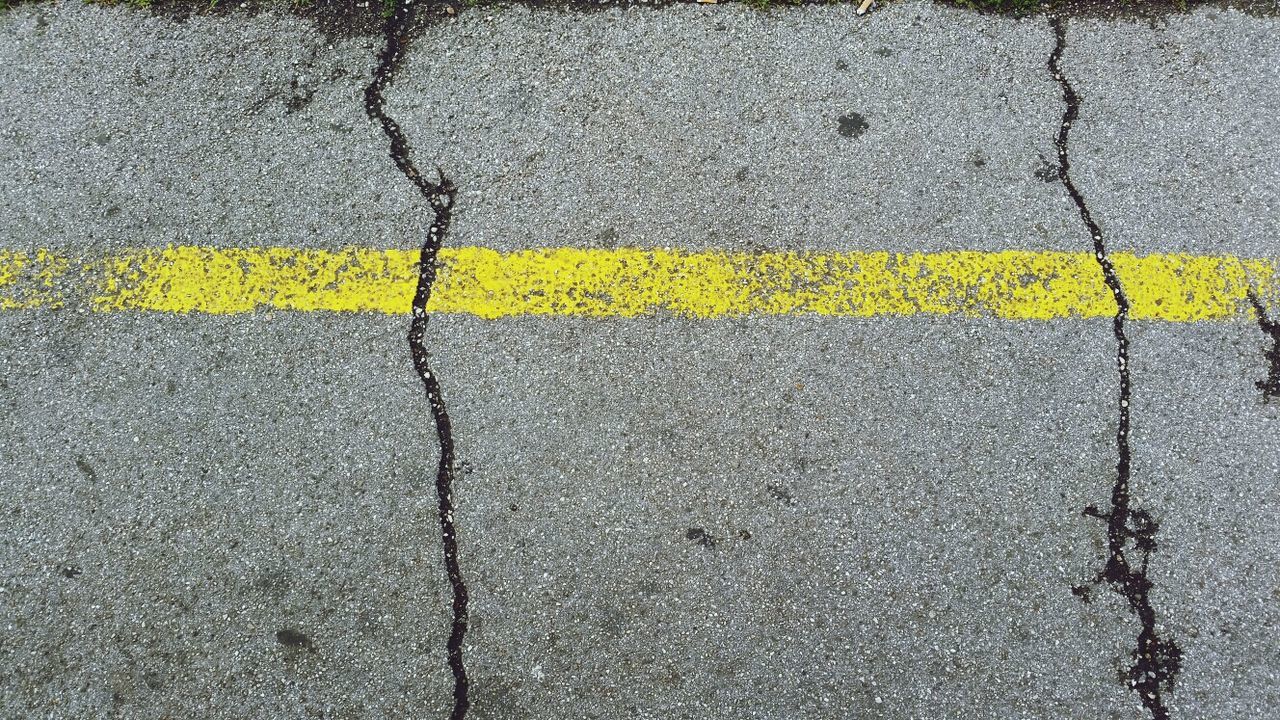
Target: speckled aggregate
point(659, 518)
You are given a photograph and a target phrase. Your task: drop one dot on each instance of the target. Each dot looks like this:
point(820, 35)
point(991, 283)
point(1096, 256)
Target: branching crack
point(1131, 532)
point(440, 196)
point(1271, 386)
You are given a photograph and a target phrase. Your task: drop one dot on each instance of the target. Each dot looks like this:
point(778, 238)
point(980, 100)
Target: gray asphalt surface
point(1178, 143)
point(181, 492)
point(1205, 453)
point(714, 127)
point(124, 130)
point(1178, 150)
point(659, 518)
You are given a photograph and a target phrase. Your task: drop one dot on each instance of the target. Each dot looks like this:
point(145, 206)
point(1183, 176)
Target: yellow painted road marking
point(1016, 285)
point(27, 279)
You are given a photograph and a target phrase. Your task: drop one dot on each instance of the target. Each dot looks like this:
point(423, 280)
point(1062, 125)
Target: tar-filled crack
point(1271, 386)
point(440, 197)
point(1131, 532)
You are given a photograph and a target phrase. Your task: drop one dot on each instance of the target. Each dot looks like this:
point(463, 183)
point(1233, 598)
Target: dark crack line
point(1271, 386)
point(1131, 532)
point(440, 196)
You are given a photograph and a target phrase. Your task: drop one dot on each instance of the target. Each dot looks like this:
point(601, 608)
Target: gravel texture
point(659, 518)
point(1178, 144)
point(921, 128)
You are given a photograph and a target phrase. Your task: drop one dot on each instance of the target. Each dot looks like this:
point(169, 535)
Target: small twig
point(864, 7)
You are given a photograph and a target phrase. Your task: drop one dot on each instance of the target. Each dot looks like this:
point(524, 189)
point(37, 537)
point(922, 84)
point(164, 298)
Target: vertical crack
point(1271, 386)
point(440, 197)
point(1131, 532)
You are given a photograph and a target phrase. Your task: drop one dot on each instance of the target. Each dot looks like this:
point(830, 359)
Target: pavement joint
point(440, 196)
point(1156, 660)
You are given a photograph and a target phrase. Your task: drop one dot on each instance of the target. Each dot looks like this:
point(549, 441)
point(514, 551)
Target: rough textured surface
point(1178, 145)
point(179, 492)
point(1207, 451)
point(923, 128)
point(659, 518)
point(119, 128)
point(874, 524)
point(1178, 151)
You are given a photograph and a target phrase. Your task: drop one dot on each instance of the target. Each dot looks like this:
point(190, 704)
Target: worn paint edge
point(633, 282)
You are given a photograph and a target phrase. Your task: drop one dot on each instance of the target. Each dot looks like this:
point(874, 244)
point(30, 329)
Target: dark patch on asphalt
point(700, 536)
point(781, 494)
point(440, 196)
point(258, 105)
point(333, 18)
point(366, 18)
point(274, 584)
point(607, 238)
point(70, 571)
point(299, 97)
point(1271, 386)
point(1047, 171)
point(86, 469)
point(292, 638)
point(1109, 9)
point(153, 680)
point(851, 125)
point(1131, 532)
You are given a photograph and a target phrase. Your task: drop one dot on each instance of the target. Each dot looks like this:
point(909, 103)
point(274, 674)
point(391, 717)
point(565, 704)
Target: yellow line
point(28, 280)
point(1015, 285)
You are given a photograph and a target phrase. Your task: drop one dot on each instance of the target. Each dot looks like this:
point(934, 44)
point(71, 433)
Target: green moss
point(1013, 6)
point(139, 4)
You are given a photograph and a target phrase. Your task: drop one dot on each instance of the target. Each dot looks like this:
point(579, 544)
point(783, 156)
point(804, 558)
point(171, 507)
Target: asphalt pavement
point(660, 516)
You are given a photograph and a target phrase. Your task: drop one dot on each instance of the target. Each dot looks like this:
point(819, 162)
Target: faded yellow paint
point(631, 282)
point(228, 281)
point(30, 280)
point(1186, 288)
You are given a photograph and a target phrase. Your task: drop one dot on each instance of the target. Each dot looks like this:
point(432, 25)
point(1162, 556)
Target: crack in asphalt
point(440, 196)
point(1131, 532)
point(1271, 386)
